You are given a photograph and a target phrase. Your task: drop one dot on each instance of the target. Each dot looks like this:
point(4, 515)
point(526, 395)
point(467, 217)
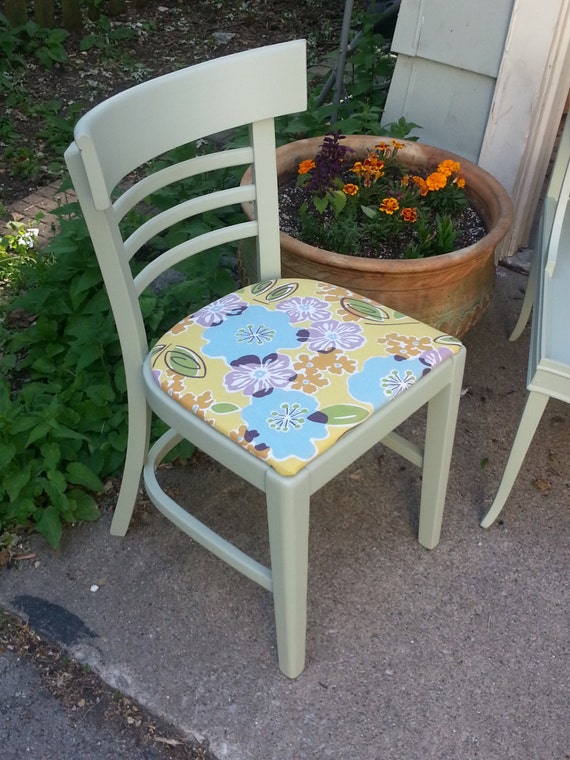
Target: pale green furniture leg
point(533, 411)
point(548, 372)
point(526, 307)
point(137, 447)
point(288, 520)
point(440, 431)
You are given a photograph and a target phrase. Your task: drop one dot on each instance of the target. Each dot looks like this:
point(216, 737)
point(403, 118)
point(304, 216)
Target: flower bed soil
point(468, 223)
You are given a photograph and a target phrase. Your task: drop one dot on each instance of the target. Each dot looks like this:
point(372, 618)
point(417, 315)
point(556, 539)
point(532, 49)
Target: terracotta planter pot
point(450, 291)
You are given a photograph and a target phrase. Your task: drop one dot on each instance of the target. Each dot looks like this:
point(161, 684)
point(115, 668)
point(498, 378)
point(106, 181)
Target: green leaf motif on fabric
point(364, 310)
point(261, 287)
point(185, 362)
point(345, 414)
point(282, 291)
point(156, 352)
point(224, 408)
point(448, 340)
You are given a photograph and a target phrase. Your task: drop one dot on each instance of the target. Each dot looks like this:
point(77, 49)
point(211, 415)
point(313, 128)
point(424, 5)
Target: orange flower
point(421, 183)
point(460, 182)
point(409, 214)
point(389, 205)
point(448, 167)
point(436, 181)
point(371, 169)
point(350, 189)
point(383, 147)
point(306, 166)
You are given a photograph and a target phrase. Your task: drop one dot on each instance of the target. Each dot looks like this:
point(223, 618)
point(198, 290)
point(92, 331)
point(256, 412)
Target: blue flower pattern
point(253, 345)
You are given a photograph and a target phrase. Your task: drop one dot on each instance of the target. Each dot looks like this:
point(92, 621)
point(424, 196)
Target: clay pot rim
point(481, 185)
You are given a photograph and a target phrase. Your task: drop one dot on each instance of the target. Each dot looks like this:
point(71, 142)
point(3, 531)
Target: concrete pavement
point(454, 654)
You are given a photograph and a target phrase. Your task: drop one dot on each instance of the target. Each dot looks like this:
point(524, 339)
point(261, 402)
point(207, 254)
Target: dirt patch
point(86, 698)
point(159, 38)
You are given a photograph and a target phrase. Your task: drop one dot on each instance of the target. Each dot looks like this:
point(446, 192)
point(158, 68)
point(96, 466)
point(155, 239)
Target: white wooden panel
point(467, 35)
point(449, 104)
point(531, 90)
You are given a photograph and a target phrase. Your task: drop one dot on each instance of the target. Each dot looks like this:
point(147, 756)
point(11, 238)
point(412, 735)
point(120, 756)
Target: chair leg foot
point(533, 411)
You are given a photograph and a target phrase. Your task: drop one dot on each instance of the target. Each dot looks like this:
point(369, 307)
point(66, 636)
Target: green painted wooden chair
point(548, 374)
point(285, 381)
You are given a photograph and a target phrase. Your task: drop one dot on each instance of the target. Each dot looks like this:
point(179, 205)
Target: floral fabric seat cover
point(286, 367)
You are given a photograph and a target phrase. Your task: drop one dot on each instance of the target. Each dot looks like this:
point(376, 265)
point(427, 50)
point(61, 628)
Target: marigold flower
point(350, 189)
point(389, 205)
point(421, 183)
point(306, 166)
point(397, 145)
point(436, 181)
point(448, 167)
point(383, 147)
point(409, 214)
point(460, 182)
point(371, 169)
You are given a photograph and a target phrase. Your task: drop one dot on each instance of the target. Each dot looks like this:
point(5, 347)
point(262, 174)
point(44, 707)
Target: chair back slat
point(189, 248)
point(224, 159)
point(162, 221)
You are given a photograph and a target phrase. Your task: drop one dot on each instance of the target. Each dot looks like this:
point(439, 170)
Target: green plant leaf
point(16, 479)
point(80, 475)
point(85, 506)
point(49, 525)
point(371, 213)
point(7, 453)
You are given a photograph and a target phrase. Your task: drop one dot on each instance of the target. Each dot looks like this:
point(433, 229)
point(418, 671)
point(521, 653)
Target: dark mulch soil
point(169, 34)
point(469, 225)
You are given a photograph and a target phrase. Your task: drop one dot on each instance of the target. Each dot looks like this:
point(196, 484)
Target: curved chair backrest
point(130, 129)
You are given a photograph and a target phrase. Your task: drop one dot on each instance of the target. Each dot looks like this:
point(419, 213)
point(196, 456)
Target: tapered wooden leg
point(528, 299)
point(137, 447)
point(440, 432)
point(288, 519)
point(533, 411)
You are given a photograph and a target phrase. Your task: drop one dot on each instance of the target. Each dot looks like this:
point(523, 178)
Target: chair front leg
point(440, 432)
point(288, 519)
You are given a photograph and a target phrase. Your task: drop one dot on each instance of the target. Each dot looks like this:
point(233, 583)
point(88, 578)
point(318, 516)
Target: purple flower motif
point(331, 334)
point(436, 356)
point(214, 313)
point(258, 377)
point(301, 309)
